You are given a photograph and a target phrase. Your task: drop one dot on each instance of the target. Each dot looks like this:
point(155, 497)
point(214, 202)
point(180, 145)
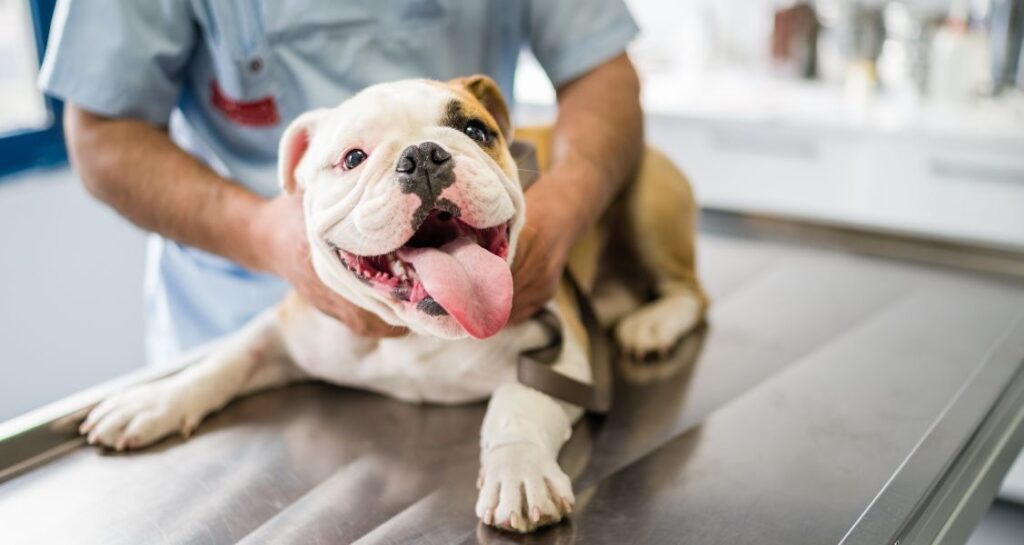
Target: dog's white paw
point(654, 329)
point(522, 488)
point(142, 415)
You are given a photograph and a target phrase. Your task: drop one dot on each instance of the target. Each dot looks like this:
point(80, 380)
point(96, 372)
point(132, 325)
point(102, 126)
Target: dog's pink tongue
point(472, 284)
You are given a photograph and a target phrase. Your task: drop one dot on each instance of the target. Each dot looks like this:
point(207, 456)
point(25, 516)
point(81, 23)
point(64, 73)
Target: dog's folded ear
point(489, 94)
point(293, 146)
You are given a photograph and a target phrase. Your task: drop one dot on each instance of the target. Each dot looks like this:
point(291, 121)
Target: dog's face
point(412, 202)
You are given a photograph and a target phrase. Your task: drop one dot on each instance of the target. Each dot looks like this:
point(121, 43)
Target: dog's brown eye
point(354, 158)
point(477, 131)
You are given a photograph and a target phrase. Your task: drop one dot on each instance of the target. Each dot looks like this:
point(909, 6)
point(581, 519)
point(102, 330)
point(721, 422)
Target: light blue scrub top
point(228, 76)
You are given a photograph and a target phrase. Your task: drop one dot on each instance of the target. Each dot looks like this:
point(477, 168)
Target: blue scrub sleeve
point(570, 38)
point(120, 58)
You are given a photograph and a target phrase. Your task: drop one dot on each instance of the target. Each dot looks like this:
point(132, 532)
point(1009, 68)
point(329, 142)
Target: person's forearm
point(135, 168)
point(598, 139)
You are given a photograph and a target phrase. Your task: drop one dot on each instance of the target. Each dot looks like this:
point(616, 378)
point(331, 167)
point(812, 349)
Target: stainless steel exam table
point(834, 397)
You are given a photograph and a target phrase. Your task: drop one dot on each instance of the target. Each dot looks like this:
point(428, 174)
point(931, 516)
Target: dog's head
point(412, 202)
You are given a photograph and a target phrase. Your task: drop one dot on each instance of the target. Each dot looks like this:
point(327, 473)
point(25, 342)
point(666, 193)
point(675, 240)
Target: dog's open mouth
point(446, 267)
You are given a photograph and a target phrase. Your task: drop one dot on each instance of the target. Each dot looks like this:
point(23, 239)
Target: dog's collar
point(535, 367)
point(525, 156)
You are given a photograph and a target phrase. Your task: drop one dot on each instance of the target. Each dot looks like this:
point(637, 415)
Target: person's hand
point(281, 231)
point(541, 255)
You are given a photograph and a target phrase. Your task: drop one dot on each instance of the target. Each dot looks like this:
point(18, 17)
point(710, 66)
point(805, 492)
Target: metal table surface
point(833, 398)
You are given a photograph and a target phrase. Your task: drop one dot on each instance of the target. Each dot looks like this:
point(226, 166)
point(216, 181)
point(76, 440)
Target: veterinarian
point(174, 109)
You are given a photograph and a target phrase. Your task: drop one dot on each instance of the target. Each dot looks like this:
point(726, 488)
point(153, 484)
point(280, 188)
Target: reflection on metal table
point(833, 398)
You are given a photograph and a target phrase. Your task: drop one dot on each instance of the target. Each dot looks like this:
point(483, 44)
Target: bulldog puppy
point(413, 208)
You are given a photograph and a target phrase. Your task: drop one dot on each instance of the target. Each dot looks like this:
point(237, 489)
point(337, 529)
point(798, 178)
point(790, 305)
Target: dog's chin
point(393, 278)
point(442, 327)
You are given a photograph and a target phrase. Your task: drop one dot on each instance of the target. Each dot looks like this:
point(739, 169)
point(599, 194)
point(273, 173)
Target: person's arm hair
point(598, 139)
point(596, 146)
point(135, 168)
point(138, 170)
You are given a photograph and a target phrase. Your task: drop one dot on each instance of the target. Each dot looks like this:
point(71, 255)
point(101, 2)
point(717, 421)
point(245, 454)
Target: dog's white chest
point(412, 368)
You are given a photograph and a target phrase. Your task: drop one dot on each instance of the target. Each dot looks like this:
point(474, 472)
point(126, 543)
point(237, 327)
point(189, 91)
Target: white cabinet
point(966, 189)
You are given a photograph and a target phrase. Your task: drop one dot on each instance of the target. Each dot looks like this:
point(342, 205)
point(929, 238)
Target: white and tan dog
point(413, 208)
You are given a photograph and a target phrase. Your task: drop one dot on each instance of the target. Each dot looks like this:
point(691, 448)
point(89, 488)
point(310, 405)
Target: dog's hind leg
point(661, 218)
point(253, 359)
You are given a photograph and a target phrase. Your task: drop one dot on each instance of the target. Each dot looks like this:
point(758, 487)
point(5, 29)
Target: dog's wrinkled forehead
point(405, 107)
point(393, 108)
point(387, 114)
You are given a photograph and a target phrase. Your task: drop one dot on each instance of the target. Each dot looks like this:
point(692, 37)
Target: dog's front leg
point(521, 484)
point(252, 359)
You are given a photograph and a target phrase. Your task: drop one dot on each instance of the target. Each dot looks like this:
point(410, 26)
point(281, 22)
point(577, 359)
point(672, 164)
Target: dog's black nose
point(425, 170)
point(428, 155)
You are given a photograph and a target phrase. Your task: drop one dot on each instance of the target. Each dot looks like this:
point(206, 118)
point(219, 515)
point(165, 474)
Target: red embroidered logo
point(251, 113)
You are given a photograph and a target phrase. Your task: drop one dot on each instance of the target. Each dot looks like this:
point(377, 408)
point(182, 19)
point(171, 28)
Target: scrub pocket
point(346, 46)
point(239, 49)
point(303, 54)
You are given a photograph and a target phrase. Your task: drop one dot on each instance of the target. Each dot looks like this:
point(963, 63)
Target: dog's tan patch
point(461, 111)
point(478, 97)
point(291, 305)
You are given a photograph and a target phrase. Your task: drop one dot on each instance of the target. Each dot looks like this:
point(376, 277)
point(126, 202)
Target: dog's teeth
point(397, 268)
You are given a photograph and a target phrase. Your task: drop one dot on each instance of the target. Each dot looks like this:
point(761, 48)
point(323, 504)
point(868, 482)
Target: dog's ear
point(293, 146)
point(489, 94)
